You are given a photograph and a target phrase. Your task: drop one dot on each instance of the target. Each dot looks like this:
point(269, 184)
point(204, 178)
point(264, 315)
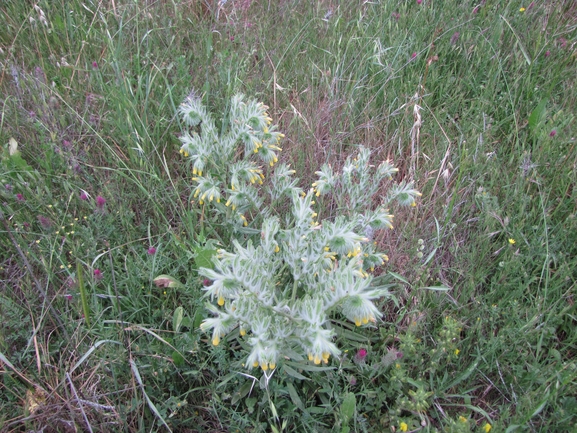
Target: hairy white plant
point(281, 286)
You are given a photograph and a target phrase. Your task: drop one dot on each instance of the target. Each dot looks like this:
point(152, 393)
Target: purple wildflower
point(98, 274)
point(151, 251)
point(44, 222)
point(95, 65)
point(361, 355)
point(83, 195)
point(454, 38)
point(553, 133)
point(20, 197)
point(100, 202)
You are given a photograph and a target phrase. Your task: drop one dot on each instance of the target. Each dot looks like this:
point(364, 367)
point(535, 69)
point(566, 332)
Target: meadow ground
point(474, 102)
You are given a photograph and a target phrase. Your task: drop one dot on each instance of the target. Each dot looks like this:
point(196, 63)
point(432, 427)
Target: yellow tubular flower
point(216, 340)
point(220, 301)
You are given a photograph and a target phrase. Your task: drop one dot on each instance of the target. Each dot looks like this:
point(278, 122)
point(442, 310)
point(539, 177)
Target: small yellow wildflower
point(457, 351)
point(462, 419)
point(403, 426)
point(487, 427)
point(522, 10)
point(512, 241)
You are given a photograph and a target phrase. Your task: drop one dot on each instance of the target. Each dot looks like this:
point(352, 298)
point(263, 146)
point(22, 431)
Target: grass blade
point(151, 405)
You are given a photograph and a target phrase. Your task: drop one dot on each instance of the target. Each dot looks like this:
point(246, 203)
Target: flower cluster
point(225, 165)
point(281, 287)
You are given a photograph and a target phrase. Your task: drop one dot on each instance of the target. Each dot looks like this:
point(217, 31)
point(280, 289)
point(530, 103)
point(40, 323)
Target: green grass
point(91, 101)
